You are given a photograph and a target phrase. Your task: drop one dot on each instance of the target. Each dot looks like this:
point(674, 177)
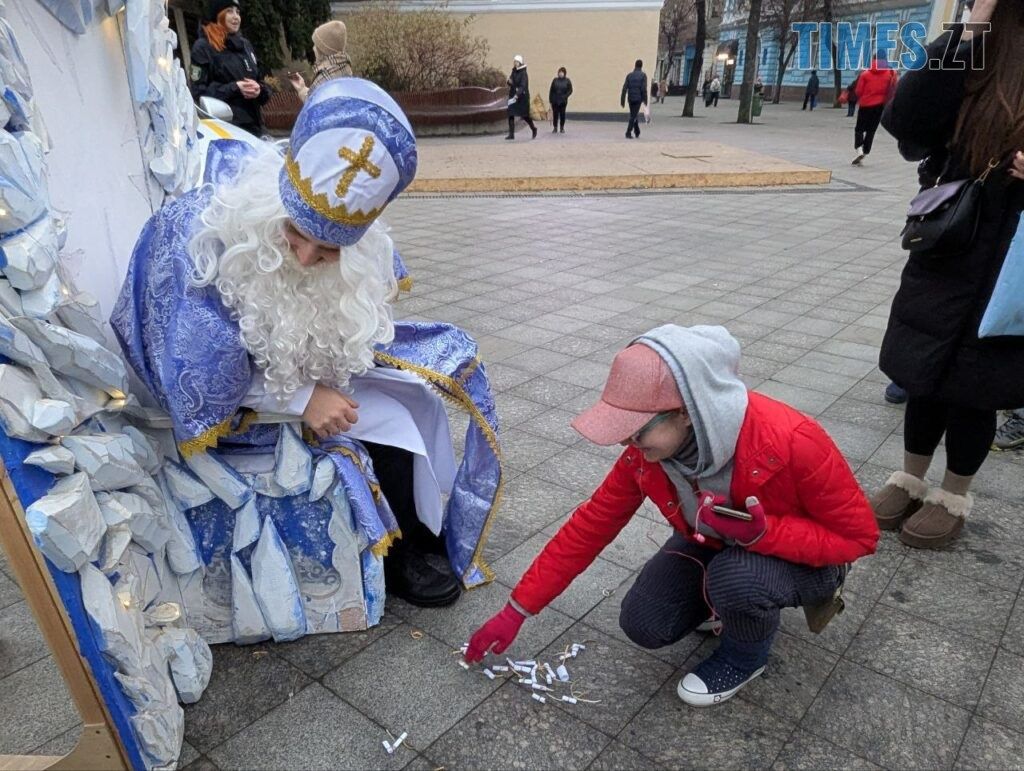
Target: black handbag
point(943, 220)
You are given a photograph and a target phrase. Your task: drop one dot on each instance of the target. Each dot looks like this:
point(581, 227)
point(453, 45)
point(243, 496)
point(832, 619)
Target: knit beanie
point(214, 7)
point(331, 37)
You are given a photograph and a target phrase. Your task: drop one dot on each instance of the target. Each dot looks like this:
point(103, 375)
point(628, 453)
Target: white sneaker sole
point(695, 699)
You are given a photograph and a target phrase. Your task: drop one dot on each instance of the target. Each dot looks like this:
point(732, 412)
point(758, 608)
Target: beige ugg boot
point(901, 496)
point(938, 521)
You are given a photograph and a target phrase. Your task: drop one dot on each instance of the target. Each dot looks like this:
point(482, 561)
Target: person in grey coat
point(634, 90)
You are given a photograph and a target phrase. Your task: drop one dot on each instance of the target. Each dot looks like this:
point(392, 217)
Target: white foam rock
point(30, 256)
point(115, 542)
point(55, 459)
point(247, 622)
point(77, 356)
point(276, 587)
point(67, 524)
point(18, 395)
point(222, 480)
point(120, 630)
point(149, 527)
point(24, 199)
point(81, 312)
point(186, 490)
point(53, 416)
point(190, 659)
point(107, 459)
point(323, 478)
point(182, 551)
point(293, 462)
point(144, 449)
point(40, 303)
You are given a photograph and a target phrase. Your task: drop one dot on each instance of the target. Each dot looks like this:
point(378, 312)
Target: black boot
point(511, 129)
point(413, 576)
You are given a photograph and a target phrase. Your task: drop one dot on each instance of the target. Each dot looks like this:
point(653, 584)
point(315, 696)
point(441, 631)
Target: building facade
point(597, 41)
point(730, 53)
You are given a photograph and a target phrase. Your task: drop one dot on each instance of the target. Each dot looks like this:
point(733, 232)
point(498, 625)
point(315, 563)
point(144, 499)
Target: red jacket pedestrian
point(876, 86)
point(766, 512)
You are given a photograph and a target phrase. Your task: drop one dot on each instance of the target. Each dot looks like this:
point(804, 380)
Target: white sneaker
point(723, 682)
point(711, 626)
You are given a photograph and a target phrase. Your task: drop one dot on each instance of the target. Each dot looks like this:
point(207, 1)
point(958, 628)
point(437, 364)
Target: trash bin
point(755, 107)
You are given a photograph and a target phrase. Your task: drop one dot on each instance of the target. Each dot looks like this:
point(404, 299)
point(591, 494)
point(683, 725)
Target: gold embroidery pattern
point(319, 202)
point(356, 162)
point(211, 436)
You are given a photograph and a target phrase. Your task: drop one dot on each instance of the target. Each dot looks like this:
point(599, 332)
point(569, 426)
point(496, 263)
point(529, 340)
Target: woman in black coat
point(956, 381)
point(224, 66)
point(519, 97)
point(558, 98)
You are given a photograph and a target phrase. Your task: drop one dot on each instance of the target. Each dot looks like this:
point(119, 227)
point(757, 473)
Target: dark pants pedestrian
point(512, 124)
point(714, 98)
point(969, 432)
point(634, 121)
point(747, 591)
point(851, 108)
point(868, 119)
point(812, 98)
point(558, 116)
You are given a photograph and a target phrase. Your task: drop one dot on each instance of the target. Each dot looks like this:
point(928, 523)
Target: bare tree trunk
point(698, 59)
point(783, 66)
point(749, 63)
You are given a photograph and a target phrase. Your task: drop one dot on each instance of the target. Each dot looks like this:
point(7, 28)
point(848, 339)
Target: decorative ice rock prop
point(55, 459)
point(16, 346)
point(323, 478)
point(186, 490)
point(53, 416)
point(182, 553)
point(115, 542)
point(77, 356)
point(22, 183)
point(293, 462)
point(159, 723)
point(76, 15)
point(42, 302)
point(145, 451)
point(81, 313)
point(29, 256)
point(67, 524)
point(275, 585)
point(247, 526)
point(190, 659)
point(226, 483)
point(10, 300)
point(149, 527)
point(18, 396)
point(247, 622)
point(107, 459)
point(120, 633)
point(137, 577)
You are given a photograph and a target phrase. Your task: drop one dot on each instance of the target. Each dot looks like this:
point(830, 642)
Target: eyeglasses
point(661, 417)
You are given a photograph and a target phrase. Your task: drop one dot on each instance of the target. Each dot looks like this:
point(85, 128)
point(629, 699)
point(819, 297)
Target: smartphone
point(727, 512)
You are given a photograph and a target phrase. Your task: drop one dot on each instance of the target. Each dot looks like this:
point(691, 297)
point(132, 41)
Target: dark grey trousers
point(747, 590)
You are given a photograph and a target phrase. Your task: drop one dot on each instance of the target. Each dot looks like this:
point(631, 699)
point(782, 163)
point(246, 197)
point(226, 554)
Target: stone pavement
point(925, 669)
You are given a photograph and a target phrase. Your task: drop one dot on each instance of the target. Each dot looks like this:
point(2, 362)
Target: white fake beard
point(299, 324)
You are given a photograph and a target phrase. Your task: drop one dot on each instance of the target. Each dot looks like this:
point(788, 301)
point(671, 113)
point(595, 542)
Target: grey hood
point(705, 361)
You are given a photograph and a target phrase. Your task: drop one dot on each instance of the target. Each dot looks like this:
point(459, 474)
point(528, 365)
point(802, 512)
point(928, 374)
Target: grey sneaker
point(1010, 434)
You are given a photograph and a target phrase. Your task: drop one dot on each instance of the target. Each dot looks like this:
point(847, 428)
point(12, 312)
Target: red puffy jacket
point(817, 513)
point(877, 85)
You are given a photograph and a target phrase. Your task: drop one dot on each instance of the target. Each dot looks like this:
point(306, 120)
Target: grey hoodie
point(705, 361)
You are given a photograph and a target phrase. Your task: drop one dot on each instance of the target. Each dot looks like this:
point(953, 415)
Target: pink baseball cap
point(639, 386)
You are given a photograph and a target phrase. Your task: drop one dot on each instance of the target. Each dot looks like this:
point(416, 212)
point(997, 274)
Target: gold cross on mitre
point(356, 162)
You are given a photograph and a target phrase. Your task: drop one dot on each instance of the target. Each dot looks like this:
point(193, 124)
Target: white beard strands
point(299, 324)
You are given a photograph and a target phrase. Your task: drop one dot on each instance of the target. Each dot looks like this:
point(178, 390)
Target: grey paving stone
point(981, 554)
point(637, 542)
point(513, 410)
point(10, 592)
point(202, 763)
point(807, 752)
point(990, 746)
point(880, 417)
point(870, 575)
point(1013, 638)
point(574, 470)
point(935, 660)
point(188, 754)
point(1003, 697)
point(840, 631)
point(21, 642)
point(886, 722)
point(317, 654)
point(736, 734)
point(617, 675)
point(247, 682)
point(618, 757)
point(454, 625)
point(953, 601)
point(411, 684)
point(857, 442)
point(582, 594)
point(816, 380)
point(67, 741)
point(804, 399)
point(553, 425)
point(36, 707)
point(313, 729)
point(503, 377)
point(524, 451)
point(511, 730)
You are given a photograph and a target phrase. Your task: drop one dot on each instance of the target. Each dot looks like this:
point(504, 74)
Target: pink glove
point(743, 532)
point(498, 633)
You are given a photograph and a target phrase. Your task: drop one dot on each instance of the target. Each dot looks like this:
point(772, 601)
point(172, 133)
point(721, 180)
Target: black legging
point(512, 124)
point(558, 115)
point(969, 432)
point(868, 119)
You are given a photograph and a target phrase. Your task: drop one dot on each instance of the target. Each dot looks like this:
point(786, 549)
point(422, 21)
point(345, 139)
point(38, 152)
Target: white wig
point(317, 323)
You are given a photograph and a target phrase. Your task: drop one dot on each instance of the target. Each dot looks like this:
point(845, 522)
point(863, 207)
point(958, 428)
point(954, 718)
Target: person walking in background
point(851, 97)
point(715, 90)
point(519, 97)
point(705, 91)
point(875, 88)
point(956, 381)
point(224, 66)
point(662, 89)
point(811, 92)
point(330, 42)
point(634, 90)
point(558, 98)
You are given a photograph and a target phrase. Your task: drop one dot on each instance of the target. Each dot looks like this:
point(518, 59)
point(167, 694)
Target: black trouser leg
point(529, 122)
point(634, 123)
point(394, 469)
point(511, 125)
point(868, 119)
